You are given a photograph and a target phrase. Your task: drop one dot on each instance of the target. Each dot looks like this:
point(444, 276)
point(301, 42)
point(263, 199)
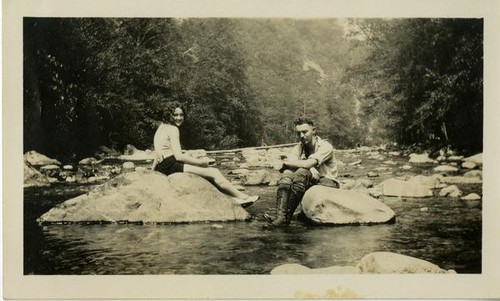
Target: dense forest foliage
point(423, 78)
point(102, 81)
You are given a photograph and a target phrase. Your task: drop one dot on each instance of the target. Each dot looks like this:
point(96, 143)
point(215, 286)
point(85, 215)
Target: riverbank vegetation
point(102, 81)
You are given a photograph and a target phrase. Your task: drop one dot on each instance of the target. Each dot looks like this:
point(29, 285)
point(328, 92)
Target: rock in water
point(445, 168)
point(477, 158)
point(395, 187)
point(429, 182)
point(469, 165)
point(325, 205)
point(88, 161)
point(389, 263)
point(294, 268)
point(36, 159)
point(420, 158)
point(149, 197)
point(472, 197)
point(452, 191)
point(373, 263)
point(34, 178)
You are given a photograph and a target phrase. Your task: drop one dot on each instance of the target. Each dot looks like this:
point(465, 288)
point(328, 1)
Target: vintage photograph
point(185, 146)
point(253, 146)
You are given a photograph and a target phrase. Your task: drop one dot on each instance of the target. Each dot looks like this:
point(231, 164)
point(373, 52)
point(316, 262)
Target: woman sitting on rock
point(170, 159)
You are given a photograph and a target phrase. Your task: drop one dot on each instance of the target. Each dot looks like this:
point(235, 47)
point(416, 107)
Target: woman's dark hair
point(170, 109)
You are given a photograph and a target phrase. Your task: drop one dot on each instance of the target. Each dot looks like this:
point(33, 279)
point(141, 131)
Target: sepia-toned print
point(342, 149)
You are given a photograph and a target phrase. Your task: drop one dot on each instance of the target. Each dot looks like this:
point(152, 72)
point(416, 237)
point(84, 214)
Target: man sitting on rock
point(311, 162)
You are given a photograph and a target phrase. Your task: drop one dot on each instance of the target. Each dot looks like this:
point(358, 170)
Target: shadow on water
point(447, 233)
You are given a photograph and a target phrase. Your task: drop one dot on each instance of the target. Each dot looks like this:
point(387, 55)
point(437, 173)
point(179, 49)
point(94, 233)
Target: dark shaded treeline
point(91, 82)
point(426, 80)
point(102, 81)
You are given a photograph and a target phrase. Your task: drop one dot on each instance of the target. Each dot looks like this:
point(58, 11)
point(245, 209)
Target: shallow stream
point(444, 231)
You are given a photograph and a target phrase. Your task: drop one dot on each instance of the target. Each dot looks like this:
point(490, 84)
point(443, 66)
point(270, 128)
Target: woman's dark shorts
point(169, 166)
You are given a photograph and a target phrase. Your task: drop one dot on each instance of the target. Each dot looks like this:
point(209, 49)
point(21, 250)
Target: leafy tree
point(220, 101)
point(104, 81)
point(425, 77)
point(95, 81)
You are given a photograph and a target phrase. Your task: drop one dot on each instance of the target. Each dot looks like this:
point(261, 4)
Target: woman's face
point(178, 116)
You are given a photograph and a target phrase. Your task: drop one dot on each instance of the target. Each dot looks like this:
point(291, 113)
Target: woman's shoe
point(247, 202)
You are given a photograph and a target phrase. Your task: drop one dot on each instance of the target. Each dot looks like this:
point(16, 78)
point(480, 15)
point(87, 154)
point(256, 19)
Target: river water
point(444, 231)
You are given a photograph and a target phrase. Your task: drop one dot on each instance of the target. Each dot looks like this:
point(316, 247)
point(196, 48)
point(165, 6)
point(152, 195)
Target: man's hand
point(279, 166)
point(315, 173)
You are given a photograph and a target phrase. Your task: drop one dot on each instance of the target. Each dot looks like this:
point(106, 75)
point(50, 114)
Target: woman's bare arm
point(179, 155)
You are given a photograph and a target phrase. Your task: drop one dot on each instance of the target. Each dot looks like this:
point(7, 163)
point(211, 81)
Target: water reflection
point(447, 233)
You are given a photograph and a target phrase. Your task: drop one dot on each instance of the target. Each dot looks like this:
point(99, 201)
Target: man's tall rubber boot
point(282, 199)
point(293, 203)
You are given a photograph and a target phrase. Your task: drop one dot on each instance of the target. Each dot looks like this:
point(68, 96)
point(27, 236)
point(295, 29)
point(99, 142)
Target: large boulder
point(325, 205)
point(392, 263)
point(149, 197)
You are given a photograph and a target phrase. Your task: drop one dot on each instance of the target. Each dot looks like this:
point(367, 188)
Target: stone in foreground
point(392, 263)
point(149, 197)
point(294, 268)
point(325, 205)
point(373, 263)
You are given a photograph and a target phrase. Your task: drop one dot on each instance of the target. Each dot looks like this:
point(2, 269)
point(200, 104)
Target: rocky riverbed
point(374, 171)
point(437, 203)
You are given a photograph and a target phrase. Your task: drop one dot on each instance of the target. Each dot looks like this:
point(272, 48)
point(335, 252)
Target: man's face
point(305, 132)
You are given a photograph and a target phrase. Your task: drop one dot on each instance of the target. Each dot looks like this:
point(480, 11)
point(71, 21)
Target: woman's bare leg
point(214, 175)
